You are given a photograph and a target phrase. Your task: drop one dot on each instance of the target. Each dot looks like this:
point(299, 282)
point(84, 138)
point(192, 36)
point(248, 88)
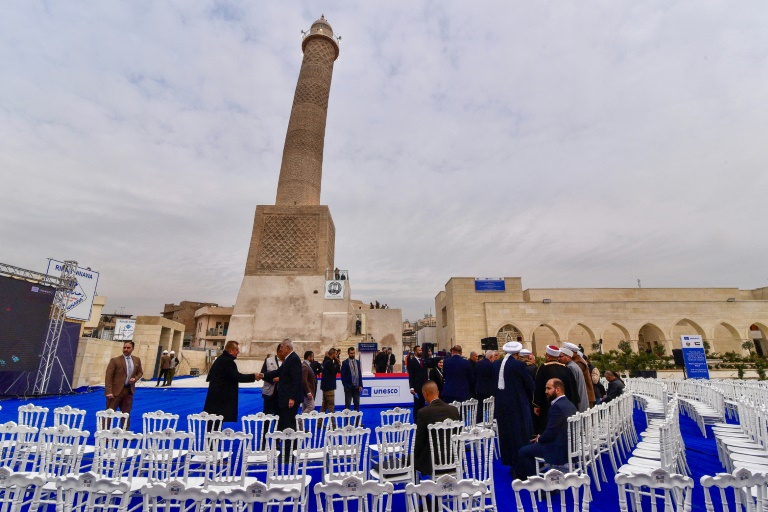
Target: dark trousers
point(350, 395)
point(526, 458)
point(287, 419)
point(161, 377)
point(270, 404)
point(123, 401)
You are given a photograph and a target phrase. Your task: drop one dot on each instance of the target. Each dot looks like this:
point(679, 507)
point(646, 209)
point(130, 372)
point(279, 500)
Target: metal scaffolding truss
point(64, 285)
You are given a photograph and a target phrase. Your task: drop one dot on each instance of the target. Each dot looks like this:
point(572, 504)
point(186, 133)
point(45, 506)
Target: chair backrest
point(489, 404)
point(31, 415)
point(468, 409)
point(396, 415)
point(474, 449)
point(17, 445)
point(316, 425)
point(225, 445)
point(116, 454)
point(441, 447)
point(109, 419)
point(257, 426)
point(344, 418)
point(554, 480)
point(675, 490)
point(60, 450)
point(19, 490)
point(395, 443)
point(278, 499)
point(176, 496)
point(345, 455)
point(749, 490)
point(69, 416)
point(199, 425)
point(163, 456)
point(285, 465)
point(445, 493)
point(89, 493)
point(370, 495)
point(158, 421)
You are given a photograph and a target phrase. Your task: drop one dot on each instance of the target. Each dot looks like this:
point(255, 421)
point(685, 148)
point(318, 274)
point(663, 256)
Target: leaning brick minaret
point(292, 244)
point(302, 167)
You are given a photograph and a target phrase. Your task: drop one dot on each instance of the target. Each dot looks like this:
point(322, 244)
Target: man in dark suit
point(289, 391)
point(459, 377)
point(331, 367)
point(552, 444)
point(484, 385)
point(223, 382)
point(120, 380)
point(351, 379)
point(435, 412)
point(417, 376)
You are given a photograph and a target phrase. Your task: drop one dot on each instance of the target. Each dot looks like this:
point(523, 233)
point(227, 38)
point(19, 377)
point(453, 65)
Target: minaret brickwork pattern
point(302, 166)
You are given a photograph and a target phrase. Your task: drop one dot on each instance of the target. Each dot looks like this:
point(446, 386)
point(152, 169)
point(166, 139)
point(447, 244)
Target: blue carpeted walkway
point(701, 452)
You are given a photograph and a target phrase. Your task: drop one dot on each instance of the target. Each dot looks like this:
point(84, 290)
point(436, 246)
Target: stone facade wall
point(641, 316)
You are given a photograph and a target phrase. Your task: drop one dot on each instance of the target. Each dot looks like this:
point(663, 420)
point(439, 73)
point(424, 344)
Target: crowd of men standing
point(532, 403)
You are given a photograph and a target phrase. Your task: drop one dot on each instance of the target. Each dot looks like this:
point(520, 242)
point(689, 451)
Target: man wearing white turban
point(512, 406)
point(566, 355)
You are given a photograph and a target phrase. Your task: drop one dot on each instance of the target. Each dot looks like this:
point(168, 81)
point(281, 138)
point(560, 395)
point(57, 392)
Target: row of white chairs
point(701, 401)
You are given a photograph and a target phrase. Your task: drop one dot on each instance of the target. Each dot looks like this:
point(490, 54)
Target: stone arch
point(542, 336)
point(580, 334)
point(725, 338)
point(758, 333)
point(650, 335)
point(508, 332)
point(612, 335)
point(683, 326)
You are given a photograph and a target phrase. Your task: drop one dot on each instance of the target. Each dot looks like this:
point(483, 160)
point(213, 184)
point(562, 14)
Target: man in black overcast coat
point(223, 379)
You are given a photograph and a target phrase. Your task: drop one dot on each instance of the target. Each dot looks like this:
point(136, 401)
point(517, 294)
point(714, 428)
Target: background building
point(468, 311)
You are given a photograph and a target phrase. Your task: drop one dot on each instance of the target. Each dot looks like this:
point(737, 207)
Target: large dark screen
point(24, 313)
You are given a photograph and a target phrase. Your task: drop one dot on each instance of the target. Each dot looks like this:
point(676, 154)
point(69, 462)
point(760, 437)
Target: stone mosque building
point(468, 311)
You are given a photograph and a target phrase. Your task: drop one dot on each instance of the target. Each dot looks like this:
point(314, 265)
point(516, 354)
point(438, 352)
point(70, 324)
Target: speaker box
point(489, 343)
point(677, 354)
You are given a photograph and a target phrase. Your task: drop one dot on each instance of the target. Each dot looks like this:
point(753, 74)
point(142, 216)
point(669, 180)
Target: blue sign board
point(489, 285)
point(694, 357)
point(367, 347)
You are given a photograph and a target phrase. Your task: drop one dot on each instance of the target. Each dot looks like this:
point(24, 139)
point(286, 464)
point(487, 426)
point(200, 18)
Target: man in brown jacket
point(120, 380)
point(165, 364)
point(308, 382)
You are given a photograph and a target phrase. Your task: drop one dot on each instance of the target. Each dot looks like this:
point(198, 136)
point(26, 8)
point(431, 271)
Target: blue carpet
point(701, 452)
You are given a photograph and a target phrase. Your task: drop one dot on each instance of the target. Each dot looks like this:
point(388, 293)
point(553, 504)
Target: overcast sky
point(573, 144)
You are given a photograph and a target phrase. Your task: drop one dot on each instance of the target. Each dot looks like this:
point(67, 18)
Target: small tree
point(748, 345)
point(659, 351)
point(740, 368)
point(707, 346)
point(595, 347)
point(760, 368)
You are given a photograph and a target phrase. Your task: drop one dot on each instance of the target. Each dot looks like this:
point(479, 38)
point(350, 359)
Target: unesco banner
point(81, 298)
point(694, 357)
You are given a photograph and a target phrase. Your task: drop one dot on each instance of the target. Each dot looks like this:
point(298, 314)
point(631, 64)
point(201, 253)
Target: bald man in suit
point(120, 380)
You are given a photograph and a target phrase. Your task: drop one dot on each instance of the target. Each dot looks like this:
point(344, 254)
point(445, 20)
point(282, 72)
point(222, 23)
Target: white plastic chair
point(165, 458)
point(750, 490)
point(18, 450)
point(249, 498)
point(116, 456)
point(158, 421)
point(31, 415)
point(441, 447)
point(474, 449)
point(286, 469)
point(109, 419)
point(60, 452)
point(344, 418)
point(468, 410)
point(89, 493)
point(369, 496)
point(345, 453)
point(257, 426)
point(225, 460)
point(396, 415)
point(200, 425)
point(69, 416)
point(445, 493)
point(19, 491)
point(674, 490)
point(554, 480)
point(175, 496)
point(394, 461)
point(316, 425)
